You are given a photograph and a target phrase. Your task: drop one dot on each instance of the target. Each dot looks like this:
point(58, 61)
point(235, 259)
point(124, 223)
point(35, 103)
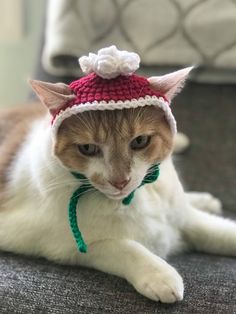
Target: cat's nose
point(120, 184)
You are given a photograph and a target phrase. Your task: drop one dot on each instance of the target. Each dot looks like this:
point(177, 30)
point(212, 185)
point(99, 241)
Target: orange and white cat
point(114, 150)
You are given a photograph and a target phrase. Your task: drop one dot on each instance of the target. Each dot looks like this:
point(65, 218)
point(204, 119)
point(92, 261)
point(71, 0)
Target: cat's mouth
point(117, 195)
point(121, 194)
point(113, 194)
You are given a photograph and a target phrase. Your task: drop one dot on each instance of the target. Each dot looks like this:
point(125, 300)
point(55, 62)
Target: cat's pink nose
point(120, 184)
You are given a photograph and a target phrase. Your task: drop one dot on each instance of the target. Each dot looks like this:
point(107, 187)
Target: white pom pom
point(110, 62)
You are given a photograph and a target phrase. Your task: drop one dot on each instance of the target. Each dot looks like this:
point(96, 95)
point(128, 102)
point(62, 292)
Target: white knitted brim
point(112, 105)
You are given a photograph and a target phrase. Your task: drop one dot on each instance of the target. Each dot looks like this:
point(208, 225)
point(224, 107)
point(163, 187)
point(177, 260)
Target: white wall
point(18, 50)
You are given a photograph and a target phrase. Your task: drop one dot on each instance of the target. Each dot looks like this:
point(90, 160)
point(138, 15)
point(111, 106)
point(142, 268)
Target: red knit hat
point(110, 84)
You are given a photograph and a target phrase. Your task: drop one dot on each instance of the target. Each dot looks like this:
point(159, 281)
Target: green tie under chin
point(151, 176)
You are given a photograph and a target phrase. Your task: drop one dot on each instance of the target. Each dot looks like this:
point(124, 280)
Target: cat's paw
point(206, 202)
point(166, 287)
point(181, 143)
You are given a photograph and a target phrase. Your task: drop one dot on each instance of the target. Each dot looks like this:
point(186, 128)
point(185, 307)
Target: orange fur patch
point(14, 126)
point(116, 129)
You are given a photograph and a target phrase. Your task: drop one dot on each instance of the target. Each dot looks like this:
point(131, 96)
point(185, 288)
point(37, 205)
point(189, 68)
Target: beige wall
point(18, 53)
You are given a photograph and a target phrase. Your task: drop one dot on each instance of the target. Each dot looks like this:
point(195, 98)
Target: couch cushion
point(30, 285)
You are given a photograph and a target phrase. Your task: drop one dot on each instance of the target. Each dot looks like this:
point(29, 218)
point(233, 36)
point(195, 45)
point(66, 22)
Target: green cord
point(151, 176)
point(73, 219)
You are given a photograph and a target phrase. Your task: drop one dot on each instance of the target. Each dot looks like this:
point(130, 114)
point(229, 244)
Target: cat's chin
point(117, 196)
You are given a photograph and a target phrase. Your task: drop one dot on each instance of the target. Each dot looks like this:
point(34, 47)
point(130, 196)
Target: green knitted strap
point(73, 219)
point(151, 176)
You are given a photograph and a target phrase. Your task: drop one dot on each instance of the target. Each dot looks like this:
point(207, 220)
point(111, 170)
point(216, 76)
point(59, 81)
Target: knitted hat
point(111, 84)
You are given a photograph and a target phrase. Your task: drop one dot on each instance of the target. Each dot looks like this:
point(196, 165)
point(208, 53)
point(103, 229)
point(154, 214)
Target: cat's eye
point(140, 142)
point(89, 149)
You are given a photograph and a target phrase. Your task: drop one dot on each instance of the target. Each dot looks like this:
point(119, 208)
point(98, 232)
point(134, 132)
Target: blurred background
point(21, 26)
point(43, 39)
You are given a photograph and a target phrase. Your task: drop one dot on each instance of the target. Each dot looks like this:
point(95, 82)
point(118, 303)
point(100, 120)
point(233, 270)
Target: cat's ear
point(53, 96)
point(170, 84)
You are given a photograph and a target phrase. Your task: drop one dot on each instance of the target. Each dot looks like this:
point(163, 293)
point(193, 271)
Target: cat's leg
point(210, 233)
point(149, 274)
point(205, 201)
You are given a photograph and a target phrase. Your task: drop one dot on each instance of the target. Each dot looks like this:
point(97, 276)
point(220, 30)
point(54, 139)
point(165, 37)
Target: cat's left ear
point(53, 96)
point(170, 84)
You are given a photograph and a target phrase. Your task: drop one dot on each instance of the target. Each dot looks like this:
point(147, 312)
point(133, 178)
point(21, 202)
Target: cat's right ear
point(53, 96)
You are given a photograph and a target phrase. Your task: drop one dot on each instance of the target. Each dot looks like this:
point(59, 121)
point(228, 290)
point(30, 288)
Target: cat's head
point(113, 148)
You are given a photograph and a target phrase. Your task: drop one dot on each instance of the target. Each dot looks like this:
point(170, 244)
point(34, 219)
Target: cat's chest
point(146, 220)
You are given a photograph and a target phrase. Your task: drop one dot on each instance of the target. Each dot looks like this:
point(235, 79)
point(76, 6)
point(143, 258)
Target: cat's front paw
point(166, 286)
point(206, 202)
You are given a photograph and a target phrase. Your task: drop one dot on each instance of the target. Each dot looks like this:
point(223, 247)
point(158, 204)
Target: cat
point(114, 150)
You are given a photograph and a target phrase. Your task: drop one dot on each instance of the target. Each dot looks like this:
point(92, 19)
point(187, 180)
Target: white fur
point(128, 241)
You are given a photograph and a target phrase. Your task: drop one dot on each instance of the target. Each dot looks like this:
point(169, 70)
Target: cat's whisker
point(81, 194)
point(48, 164)
point(87, 123)
point(83, 180)
point(63, 180)
point(55, 185)
point(149, 171)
